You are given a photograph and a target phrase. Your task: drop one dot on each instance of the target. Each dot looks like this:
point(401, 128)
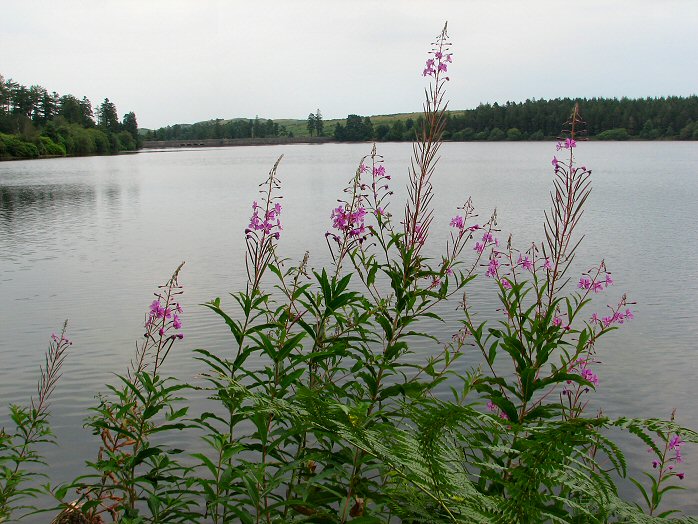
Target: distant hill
point(665, 118)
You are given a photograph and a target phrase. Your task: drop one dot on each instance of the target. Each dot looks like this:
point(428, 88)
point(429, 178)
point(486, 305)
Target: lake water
point(88, 239)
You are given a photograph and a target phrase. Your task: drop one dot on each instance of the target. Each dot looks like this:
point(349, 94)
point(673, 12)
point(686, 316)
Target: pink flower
point(457, 222)
point(609, 280)
point(525, 263)
point(505, 283)
point(363, 168)
point(443, 67)
point(629, 314)
point(587, 374)
point(176, 322)
point(584, 283)
point(548, 264)
point(429, 69)
point(594, 318)
point(479, 247)
point(675, 442)
point(554, 162)
point(378, 171)
point(492, 268)
point(681, 475)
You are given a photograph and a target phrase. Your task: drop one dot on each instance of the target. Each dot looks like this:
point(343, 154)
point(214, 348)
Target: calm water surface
point(88, 239)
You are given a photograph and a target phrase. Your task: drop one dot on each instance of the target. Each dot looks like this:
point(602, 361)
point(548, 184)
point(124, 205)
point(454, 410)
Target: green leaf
point(144, 454)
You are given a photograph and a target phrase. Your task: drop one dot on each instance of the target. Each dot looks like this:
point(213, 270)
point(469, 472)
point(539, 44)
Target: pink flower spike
point(492, 268)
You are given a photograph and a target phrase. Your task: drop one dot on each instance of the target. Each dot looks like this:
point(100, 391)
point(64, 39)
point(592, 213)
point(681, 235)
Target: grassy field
point(299, 127)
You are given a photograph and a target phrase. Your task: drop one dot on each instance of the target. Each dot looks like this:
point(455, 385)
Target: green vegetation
point(666, 118)
point(34, 123)
point(315, 123)
point(219, 128)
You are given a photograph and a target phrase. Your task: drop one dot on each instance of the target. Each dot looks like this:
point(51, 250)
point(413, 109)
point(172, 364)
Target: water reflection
point(44, 202)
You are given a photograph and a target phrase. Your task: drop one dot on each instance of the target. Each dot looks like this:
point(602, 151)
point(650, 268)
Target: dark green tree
point(311, 123)
point(107, 117)
point(130, 124)
point(69, 108)
point(319, 124)
point(87, 114)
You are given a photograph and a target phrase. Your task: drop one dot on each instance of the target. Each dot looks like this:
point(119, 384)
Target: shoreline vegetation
point(35, 124)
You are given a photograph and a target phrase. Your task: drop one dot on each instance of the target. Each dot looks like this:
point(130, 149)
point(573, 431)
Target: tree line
point(219, 128)
point(34, 122)
point(670, 118)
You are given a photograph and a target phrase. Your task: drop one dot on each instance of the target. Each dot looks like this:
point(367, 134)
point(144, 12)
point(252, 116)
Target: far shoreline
point(159, 145)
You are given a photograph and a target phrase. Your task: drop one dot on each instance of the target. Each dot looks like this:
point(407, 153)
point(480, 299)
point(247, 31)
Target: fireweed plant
point(18, 446)
point(324, 411)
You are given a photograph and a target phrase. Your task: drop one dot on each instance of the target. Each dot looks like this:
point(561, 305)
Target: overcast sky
point(174, 61)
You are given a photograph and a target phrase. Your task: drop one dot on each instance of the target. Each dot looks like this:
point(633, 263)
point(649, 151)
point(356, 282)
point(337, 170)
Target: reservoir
point(89, 239)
